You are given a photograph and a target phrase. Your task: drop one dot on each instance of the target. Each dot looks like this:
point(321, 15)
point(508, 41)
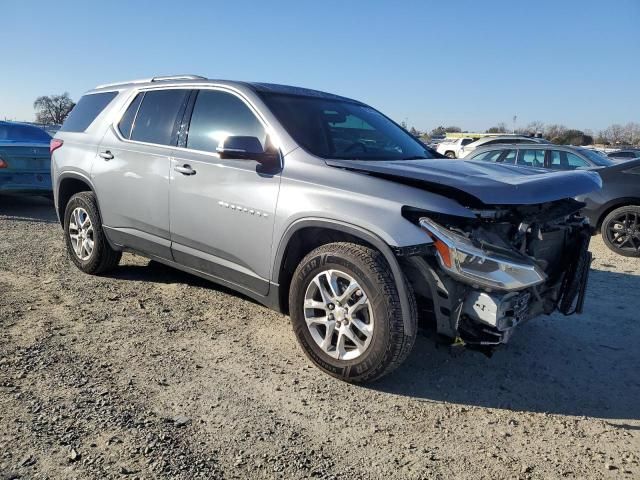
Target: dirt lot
point(150, 373)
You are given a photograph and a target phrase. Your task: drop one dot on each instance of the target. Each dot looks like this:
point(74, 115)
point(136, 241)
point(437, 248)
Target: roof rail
point(154, 79)
point(140, 80)
point(178, 77)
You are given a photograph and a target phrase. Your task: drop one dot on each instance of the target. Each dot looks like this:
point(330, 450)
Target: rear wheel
point(450, 154)
point(84, 237)
point(621, 230)
point(345, 310)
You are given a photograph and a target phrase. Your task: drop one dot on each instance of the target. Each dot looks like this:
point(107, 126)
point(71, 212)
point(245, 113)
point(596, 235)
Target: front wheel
point(345, 310)
point(84, 237)
point(450, 154)
point(621, 231)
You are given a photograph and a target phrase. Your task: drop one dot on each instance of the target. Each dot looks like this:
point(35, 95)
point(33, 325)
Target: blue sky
point(467, 63)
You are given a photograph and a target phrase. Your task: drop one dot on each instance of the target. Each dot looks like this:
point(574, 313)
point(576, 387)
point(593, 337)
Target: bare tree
point(554, 131)
point(615, 134)
point(535, 127)
point(53, 109)
point(632, 133)
point(500, 128)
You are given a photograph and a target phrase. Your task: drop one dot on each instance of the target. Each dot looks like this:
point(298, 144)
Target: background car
point(626, 154)
point(450, 148)
point(614, 211)
point(25, 161)
point(497, 140)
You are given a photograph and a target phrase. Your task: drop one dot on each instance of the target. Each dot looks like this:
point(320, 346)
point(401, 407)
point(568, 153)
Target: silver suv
point(321, 207)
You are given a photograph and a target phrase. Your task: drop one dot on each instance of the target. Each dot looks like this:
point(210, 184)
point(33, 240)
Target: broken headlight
point(477, 266)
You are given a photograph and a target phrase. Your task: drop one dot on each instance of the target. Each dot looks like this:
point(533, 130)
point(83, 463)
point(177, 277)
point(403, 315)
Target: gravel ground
point(151, 373)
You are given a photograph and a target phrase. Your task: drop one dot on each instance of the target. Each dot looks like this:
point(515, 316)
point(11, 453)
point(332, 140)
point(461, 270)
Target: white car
point(495, 140)
point(451, 148)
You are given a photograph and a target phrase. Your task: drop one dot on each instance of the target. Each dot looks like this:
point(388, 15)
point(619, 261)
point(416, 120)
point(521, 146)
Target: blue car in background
point(25, 161)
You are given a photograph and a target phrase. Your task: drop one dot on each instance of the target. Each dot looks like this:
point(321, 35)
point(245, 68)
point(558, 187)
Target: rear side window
point(217, 115)
point(561, 160)
point(575, 161)
point(531, 158)
point(86, 111)
point(126, 123)
point(158, 115)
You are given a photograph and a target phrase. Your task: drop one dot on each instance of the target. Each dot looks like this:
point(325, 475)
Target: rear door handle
point(106, 155)
point(185, 169)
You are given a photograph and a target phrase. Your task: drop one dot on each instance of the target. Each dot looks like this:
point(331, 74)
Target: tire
point(613, 234)
point(387, 344)
point(102, 257)
point(450, 154)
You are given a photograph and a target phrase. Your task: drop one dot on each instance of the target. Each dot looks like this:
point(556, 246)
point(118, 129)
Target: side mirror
point(248, 148)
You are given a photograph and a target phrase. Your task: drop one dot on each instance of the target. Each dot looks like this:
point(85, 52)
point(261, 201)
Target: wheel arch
point(306, 235)
point(69, 184)
point(612, 205)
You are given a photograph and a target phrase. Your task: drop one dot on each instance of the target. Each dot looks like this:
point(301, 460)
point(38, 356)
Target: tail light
point(55, 144)
point(3, 164)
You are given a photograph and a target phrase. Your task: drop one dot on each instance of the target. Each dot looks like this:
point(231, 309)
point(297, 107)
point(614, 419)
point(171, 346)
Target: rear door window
point(531, 158)
point(86, 111)
point(158, 116)
point(217, 115)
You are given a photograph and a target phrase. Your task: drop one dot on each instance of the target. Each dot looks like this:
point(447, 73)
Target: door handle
point(185, 169)
point(106, 155)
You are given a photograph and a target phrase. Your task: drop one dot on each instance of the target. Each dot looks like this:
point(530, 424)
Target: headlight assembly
point(470, 264)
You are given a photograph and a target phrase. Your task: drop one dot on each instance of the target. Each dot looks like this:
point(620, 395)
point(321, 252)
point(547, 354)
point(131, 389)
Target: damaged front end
point(509, 264)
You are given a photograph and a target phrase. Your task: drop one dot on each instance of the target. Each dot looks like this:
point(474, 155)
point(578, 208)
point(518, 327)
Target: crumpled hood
point(491, 183)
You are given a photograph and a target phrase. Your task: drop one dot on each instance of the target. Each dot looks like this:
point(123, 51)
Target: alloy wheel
point(339, 315)
point(81, 233)
point(623, 231)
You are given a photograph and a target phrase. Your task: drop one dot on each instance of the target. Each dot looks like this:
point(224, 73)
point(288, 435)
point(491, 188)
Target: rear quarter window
point(86, 111)
point(157, 116)
point(126, 122)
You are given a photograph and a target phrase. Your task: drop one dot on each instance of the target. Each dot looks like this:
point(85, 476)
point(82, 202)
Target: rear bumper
point(25, 182)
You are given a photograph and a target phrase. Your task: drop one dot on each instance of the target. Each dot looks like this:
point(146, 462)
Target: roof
point(258, 87)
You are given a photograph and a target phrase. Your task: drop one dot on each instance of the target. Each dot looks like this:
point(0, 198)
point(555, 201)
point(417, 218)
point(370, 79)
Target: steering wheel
point(355, 145)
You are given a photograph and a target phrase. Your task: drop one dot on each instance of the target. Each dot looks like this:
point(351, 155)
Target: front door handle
point(106, 155)
point(185, 169)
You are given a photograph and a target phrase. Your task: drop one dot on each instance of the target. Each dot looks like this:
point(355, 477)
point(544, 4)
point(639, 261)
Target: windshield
point(340, 129)
point(596, 157)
